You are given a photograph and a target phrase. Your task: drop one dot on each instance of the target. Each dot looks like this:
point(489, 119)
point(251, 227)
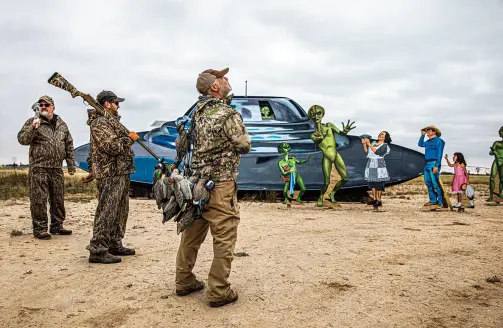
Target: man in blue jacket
point(433, 158)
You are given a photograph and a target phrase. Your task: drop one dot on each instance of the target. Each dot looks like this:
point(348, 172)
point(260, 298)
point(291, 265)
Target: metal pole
point(246, 88)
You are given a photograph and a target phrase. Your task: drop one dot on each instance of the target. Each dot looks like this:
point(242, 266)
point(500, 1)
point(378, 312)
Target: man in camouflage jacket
point(50, 143)
point(112, 163)
point(219, 137)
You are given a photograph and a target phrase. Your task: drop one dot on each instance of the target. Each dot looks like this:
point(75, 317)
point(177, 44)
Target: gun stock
point(59, 81)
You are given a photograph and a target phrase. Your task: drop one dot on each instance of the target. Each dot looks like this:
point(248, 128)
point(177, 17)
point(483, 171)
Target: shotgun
point(59, 81)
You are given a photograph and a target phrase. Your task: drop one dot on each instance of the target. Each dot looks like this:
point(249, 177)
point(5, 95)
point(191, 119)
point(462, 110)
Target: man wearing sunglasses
point(50, 143)
point(112, 163)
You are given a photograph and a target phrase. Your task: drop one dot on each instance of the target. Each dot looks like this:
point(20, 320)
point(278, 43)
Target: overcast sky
point(390, 64)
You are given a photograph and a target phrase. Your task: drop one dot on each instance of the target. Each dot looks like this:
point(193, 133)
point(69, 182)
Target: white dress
point(376, 171)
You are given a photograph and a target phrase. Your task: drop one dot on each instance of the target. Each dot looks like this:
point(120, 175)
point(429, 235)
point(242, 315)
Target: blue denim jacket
point(434, 149)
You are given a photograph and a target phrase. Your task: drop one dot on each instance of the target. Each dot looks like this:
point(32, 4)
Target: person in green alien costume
point(266, 113)
point(497, 167)
point(324, 137)
point(289, 174)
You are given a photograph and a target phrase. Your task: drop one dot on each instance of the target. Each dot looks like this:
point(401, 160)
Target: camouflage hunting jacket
point(219, 137)
point(111, 152)
point(50, 144)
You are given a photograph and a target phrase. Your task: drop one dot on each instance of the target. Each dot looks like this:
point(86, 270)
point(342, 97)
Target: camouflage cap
point(107, 96)
point(47, 99)
point(206, 78)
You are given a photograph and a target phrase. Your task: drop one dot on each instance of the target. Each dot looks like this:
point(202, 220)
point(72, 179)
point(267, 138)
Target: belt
point(430, 160)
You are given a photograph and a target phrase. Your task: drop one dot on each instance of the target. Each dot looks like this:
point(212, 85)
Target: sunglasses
point(44, 105)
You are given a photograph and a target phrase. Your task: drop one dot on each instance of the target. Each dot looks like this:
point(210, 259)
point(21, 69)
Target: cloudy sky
point(390, 64)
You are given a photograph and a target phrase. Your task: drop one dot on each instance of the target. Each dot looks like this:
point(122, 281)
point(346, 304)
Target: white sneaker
point(472, 204)
point(458, 205)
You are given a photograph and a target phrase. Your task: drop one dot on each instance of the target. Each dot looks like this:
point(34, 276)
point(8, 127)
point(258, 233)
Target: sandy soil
point(306, 268)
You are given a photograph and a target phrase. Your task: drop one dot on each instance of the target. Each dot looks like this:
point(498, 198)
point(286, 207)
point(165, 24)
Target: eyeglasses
point(116, 103)
point(44, 105)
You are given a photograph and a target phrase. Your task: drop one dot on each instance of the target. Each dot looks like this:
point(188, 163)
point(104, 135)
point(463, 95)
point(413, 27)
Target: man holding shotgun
point(112, 163)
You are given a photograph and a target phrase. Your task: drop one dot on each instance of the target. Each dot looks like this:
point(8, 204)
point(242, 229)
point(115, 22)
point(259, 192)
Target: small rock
point(129, 285)
point(28, 272)
point(163, 297)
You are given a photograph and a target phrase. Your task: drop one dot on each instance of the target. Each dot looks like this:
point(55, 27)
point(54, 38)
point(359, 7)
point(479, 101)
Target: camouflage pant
point(221, 217)
point(46, 184)
point(111, 214)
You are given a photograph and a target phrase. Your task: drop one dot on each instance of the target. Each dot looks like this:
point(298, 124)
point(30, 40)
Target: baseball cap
point(47, 99)
point(107, 96)
point(206, 78)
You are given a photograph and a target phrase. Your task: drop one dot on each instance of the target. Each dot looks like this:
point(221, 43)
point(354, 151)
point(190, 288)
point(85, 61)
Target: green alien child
point(266, 113)
point(497, 167)
point(323, 136)
point(289, 174)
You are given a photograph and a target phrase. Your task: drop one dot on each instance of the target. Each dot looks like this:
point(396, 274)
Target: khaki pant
point(221, 217)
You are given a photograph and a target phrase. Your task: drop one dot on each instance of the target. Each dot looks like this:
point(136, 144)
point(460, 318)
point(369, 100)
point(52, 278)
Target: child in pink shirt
point(460, 175)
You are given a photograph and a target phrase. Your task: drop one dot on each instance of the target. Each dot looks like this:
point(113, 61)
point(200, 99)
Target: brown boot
point(197, 285)
point(430, 204)
point(233, 297)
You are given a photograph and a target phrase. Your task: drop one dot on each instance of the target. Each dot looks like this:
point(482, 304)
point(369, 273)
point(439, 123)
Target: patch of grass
point(268, 196)
point(16, 233)
point(493, 279)
point(14, 184)
point(241, 254)
point(337, 285)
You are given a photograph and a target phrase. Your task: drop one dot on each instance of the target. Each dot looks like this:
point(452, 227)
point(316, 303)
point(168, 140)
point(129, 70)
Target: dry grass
point(14, 184)
point(417, 186)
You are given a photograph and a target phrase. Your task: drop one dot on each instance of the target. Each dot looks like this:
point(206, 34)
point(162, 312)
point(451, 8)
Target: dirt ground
point(305, 267)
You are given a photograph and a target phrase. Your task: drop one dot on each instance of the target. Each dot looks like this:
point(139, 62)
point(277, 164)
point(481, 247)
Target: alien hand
point(317, 136)
point(348, 127)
